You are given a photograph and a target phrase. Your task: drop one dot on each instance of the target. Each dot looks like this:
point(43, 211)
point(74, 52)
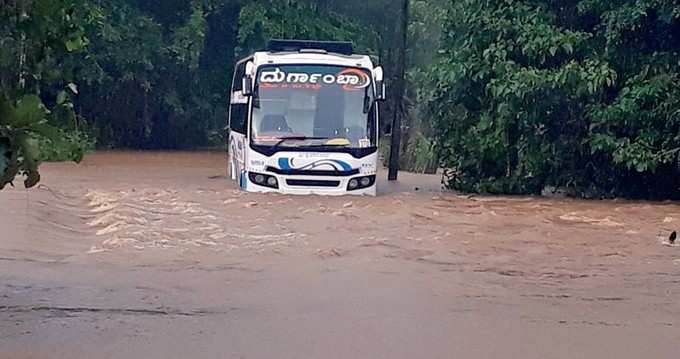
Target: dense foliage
point(156, 73)
point(35, 41)
point(580, 94)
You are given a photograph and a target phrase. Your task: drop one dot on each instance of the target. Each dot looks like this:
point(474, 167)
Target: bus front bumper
point(312, 185)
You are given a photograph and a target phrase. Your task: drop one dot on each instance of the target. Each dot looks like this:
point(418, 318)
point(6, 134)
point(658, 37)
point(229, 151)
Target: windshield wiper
point(298, 138)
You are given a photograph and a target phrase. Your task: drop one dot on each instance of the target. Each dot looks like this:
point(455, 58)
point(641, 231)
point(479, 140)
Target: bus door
point(238, 126)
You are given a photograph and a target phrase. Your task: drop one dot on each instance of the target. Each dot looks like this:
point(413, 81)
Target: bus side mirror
point(380, 91)
point(248, 79)
point(247, 88)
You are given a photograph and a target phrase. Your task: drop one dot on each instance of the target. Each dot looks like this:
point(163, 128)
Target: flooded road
point(157, 255)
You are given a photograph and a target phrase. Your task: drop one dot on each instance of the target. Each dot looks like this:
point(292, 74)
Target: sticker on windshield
point(364, 143)
point(349, 78)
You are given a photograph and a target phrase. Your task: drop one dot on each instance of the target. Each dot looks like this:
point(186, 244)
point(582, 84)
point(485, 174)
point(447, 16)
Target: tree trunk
point(400, 86)
point(23, 14)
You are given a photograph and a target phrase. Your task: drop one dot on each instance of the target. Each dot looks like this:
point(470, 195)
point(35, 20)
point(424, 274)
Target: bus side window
point(238, 116)
point(239, 73)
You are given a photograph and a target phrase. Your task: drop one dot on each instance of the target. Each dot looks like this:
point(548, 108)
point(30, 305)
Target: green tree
point(165, 67)
point(584, 94)
point(35, 39)
point(262, 20)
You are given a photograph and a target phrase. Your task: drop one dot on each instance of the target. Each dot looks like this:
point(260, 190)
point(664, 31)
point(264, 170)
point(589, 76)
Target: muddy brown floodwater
point(157, 255)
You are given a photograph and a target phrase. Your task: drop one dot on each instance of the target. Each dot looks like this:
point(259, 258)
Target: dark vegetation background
point(508, 96)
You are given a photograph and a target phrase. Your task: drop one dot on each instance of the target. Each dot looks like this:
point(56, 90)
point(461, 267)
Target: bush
point(584, 95)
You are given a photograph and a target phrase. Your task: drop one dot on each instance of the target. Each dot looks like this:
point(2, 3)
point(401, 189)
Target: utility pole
point(400, 89)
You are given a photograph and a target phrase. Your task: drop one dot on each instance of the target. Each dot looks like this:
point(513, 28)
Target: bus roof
point(313, 58)
point(337, 47)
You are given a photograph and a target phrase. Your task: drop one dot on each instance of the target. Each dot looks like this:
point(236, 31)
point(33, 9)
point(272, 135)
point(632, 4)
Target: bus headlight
point(263, 180)
point(360, 183)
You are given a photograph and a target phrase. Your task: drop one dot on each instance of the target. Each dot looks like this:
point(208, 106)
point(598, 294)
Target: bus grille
point(312, 183)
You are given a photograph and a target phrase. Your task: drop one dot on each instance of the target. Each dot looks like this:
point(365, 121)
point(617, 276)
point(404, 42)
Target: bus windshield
point(314, 105)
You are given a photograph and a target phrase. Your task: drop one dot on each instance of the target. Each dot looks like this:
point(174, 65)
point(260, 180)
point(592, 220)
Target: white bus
point(304, 119)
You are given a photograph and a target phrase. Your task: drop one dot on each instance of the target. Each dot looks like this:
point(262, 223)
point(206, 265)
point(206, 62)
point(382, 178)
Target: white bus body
point(304, 120)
